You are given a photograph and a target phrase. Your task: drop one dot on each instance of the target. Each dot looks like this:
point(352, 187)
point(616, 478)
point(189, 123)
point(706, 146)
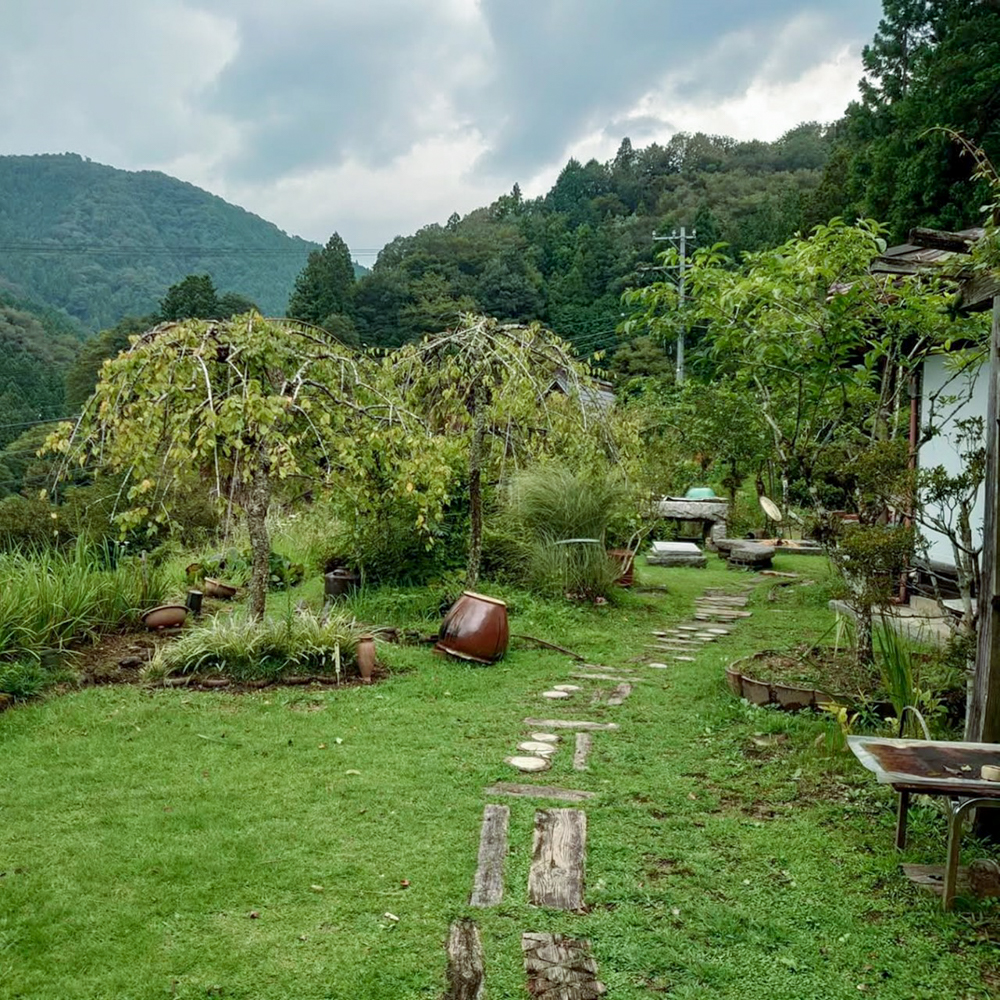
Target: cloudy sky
point(373, 117)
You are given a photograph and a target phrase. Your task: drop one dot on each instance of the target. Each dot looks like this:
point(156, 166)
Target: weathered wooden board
point(584, 741)
point(558, 859)
point(466, 969)
point(606, 677)
point(540, 792)
point(569, 724)
point(560, 968)
point(487, 889)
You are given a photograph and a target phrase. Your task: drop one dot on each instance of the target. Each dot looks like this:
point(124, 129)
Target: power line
point(36, 423)
point(221, 251)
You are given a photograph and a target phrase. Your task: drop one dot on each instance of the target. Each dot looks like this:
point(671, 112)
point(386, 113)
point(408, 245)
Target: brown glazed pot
point(165, 616)
point(366, 657)
point(626, 560)
point(475, 628)
point(216, 588)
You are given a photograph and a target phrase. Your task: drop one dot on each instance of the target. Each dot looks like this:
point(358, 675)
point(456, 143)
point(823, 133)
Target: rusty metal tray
point(934, 767)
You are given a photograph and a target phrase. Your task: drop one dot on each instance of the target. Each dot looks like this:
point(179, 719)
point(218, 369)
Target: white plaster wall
point(942, 449)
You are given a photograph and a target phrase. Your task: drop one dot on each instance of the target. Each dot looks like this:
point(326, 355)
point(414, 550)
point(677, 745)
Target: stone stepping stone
point(537, 748)
point(558, 858)
point(540, 792)
point(556, 695)
point(544, 737)
point(570, 724)
point(685, 659)
point(466, 963)
point(663, 666)
point(566, 687)
point(584, 741)
point(528, 764)
point(560, 968)
point(487, 888)
point(687, 628)
point(717, 631)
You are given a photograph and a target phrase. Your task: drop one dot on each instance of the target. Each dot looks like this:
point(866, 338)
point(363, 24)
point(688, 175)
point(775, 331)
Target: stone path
point(558, 967)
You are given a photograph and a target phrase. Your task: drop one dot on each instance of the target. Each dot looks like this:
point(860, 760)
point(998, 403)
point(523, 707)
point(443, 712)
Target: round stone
point(566, 687)
point(555, 695)
point(545, 737)
point(536, 748)
point(528, 763)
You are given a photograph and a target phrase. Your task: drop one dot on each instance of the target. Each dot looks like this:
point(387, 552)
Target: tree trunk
point(864, 651)
point(258, 498)
point(476, 450)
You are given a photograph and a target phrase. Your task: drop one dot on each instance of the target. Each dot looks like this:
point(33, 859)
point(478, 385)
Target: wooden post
point(983, 722)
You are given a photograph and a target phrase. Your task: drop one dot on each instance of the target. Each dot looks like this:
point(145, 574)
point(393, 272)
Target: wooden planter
point(789, 697)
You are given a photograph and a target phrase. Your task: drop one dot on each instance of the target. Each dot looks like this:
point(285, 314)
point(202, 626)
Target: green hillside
point(102, 243)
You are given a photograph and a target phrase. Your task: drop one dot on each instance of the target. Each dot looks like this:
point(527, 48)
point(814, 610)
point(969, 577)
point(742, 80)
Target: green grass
point(139, 829)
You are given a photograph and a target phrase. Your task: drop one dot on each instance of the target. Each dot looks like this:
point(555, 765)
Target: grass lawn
point(171, 843)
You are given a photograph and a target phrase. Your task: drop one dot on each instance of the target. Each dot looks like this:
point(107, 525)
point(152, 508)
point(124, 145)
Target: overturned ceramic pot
point(216, 588)
point(165, 616)
point(475, 628)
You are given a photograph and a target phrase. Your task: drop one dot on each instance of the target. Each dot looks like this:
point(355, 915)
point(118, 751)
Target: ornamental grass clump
point(245, 649)
point(52, 597)
point(567, 515)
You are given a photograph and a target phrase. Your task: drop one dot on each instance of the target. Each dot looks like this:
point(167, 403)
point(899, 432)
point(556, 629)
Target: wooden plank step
point(540, 792)
point(558, 859)
point(606, 677)
point(487, 889)
point(584, 741)
point(466, 967)
point(570, 724)
point(560, 968)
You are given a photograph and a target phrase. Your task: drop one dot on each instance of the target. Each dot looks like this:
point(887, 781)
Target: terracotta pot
point(625, 559)
point(216, 588)
point(365, 654)
point(165, 616)
point(475, 628)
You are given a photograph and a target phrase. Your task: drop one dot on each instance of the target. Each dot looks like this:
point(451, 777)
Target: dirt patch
point(118, 658)
point(659, 868)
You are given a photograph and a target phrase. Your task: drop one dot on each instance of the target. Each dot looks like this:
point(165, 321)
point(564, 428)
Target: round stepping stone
point(685, 659)
point(528, 764)
point(545, 737)
point(537, 749)
point(717, 631)
point(659, 666)
point(566, 687)
point(555, 695)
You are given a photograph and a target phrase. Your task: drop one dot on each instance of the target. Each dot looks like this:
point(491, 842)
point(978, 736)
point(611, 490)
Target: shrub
point(245, 649)
point(23, 679)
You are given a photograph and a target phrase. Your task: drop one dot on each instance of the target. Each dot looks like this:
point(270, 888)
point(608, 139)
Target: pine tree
point(324, 285)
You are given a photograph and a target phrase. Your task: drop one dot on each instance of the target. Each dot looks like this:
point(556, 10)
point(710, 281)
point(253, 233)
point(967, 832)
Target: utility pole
point(679, 239)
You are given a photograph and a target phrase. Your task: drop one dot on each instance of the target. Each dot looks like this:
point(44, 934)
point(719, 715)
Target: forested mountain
point(102, 243)
point(932, 75)
point(565, 258)
point(37, 345)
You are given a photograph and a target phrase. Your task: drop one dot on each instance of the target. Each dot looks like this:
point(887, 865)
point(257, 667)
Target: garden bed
point(799, 679)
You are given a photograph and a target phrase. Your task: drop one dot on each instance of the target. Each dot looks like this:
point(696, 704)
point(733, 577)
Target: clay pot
point(165, 616)
point(475, 628)
point(216, 588)
point(339, 583)
point(625, 559)
point(365, 654)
